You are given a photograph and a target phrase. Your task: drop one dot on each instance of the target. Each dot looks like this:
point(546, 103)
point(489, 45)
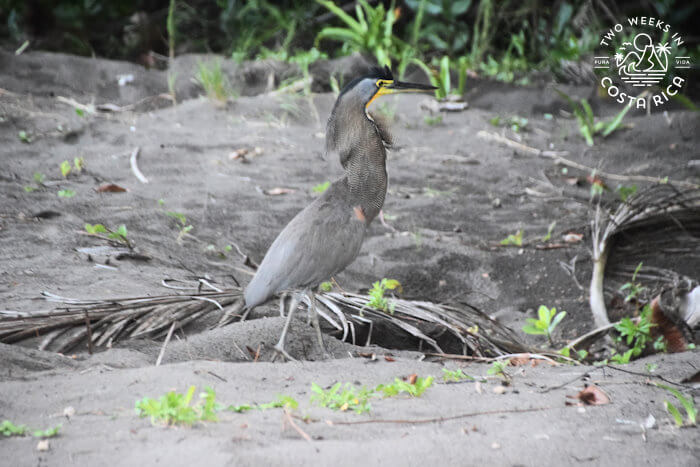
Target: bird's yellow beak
point(387, 86)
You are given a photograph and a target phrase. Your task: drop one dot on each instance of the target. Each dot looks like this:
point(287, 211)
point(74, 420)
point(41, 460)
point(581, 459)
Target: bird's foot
point(279, 350)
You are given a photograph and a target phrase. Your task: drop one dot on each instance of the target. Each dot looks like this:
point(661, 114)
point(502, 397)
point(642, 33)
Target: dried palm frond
point(107, 321)
point(659, 226)
point(100, 323)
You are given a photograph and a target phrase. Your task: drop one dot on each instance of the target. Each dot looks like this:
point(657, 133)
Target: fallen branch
point(135, 167)
point(288, 418)
point(438, 419)
point(557, 157)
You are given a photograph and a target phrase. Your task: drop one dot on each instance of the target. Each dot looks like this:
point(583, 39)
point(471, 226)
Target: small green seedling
point(580, 354)
point(376, 294)
point(633, 288)
point(38, 180)
point(184, 227)
point(24, 137)
point(321, 187)
point(432, 121)
point(498, 368)
point(651, 367)
point(548, 320)
point(549, 231)
point(326, 286)
point(342, 397)
point(513, 239)
point(79, 164)
point(66, 193)
point(65, 168)
point(79, 112)
point(282, 402)
point(455, 376)
point(120, 235)
point(688, 404)
point(636, 336)
point(415, 389)
point(7, 428)
point(175, 409)
point(626, 191)
point(47, 433)
point(215, 83)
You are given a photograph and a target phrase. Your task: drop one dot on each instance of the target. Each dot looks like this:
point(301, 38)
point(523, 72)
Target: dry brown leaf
point(591, 395)
point(520, 360)
point(278, 191)
point(238, 154)
point(110, 188)
point(389, 359)
point(412, 378)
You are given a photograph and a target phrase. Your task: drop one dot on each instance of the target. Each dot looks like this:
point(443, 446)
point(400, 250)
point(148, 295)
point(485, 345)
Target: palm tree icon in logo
point(645, 65)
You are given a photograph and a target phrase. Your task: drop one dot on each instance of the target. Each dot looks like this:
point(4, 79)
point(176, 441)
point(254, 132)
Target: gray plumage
point(326, 236)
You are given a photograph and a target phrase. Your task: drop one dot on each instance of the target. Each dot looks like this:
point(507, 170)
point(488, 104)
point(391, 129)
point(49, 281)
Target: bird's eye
point(383, 82)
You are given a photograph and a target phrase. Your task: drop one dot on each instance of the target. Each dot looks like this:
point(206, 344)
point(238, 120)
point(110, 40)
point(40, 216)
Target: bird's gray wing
point(319, 242)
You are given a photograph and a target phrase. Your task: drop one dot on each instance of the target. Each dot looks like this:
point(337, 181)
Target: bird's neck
point(362, 154)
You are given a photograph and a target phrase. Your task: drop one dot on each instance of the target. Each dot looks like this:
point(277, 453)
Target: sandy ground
point(452, 197)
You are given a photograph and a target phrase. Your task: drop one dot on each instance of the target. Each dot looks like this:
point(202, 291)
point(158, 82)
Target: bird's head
point(379, 82)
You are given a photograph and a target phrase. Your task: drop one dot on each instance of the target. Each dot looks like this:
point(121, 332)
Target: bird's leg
point(317, 325)
point(279, 347)
point(283, 297)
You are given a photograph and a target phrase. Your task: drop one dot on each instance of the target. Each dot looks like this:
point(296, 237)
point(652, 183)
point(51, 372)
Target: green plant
point(687, 402)
point(282, 402)
point(326, 286)
point(455, 375)
point(415, 389)
point(516, 123)
point(47, 433)
point(549, 231)
point(7, 428)
point(626, 191)
point(498, 368)
point(79, 164)
point(175, 409)
point(439, 25)
point(432, 121)
point(65, 168)
point(321, 187)
point(211, 77)
point(24, 137)
point(580, 354)
point(633, 288)
point(38, 180)
point(342, 397)
point(370, 31)
point(376, 294)
point(184, 226)
point(636, 334)
point(66, 193)
point(548, 320)
point(119, 235)
point(587, 124)
point(513, 239)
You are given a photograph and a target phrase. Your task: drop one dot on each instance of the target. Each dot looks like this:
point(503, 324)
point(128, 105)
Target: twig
point(557, 157)
point(165, 343)
point(288, 418)
point(72, 102)
point(438, 419)
point(648, 375)
point(134, 167)
point(89, 332)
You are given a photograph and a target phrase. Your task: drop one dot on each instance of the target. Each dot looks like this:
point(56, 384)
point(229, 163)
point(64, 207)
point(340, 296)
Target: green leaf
point(326, 286)
point(80, 112)
point(66, 193)
point(39, 177)
point(47, 433)
point(615, 122)
point(65, 168)
point(321, 187)
point(179, 216)
point(95, 229)
point(7, 428)
point(532, 329)
point(671, 409)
